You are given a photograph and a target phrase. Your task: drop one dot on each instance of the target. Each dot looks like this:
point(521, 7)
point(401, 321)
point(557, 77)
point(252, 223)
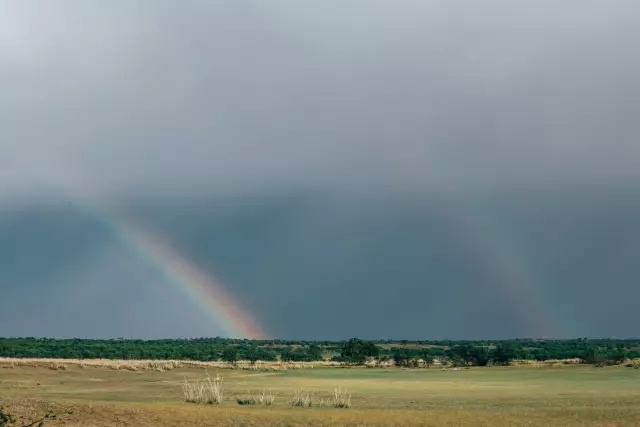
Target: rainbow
point(511, 269)
point(182, 274)
point(187, 278)
point(198, 286)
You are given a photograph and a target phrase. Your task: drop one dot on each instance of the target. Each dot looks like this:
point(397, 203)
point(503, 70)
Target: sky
point(345, 168)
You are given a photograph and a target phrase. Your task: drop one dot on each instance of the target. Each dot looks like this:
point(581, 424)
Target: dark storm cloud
point(204, 96)
point(262, 113)
point(309, 266)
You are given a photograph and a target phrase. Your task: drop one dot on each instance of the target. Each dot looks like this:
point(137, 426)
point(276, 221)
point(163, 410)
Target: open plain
point(151, 394)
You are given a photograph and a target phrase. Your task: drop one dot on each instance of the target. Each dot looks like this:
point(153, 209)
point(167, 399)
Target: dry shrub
point(340, 398)
point(246, 400)
point(57, 366)
point(559, 362)
point(133, 367)
point(161, 366)
point(208, 391)
point(302, 399)
point(633, 363)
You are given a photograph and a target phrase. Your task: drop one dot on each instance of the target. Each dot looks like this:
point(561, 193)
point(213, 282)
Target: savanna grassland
point(152, 395)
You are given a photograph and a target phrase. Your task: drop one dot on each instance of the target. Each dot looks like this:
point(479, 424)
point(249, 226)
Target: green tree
point(401, 357)
point(592, 356)
point(427, 357)
point(468, 355)
point(5, 349)
point(229, 354)
point(480, 356)
point(315, 352)
point(504, 354)
point(252, 354)
point(617, 356)
point(287, 355)
point(357, 351)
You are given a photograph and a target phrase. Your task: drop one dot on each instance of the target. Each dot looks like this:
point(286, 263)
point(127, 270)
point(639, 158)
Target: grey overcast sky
point(171, 96)
point(531, 103)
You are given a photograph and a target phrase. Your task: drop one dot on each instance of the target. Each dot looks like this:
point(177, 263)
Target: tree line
point(354, 351)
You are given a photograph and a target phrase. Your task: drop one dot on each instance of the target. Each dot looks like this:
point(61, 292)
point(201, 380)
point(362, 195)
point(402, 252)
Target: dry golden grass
point(157, 365)
point(550, 362)
point(568, 396)
point(340, 398)
point(302, 399)
point(167, 365)
point(267, 397)
point(208, 390)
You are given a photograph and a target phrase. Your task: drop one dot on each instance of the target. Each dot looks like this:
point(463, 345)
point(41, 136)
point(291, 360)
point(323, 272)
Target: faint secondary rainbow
point(512, 270)
point(182, 274)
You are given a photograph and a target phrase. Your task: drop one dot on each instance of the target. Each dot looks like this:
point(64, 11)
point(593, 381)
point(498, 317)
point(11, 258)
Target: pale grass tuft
point(57, 366)
point(340, 398)
point(207, 391)
point(302, 399)
point(267, 397)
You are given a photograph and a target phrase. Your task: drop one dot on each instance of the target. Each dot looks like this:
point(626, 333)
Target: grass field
point(510, 396)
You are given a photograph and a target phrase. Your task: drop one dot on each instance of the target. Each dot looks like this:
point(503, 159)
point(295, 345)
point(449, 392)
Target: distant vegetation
point(354, 351)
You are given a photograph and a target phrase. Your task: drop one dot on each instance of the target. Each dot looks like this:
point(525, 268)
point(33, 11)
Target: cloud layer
point(221, 96)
